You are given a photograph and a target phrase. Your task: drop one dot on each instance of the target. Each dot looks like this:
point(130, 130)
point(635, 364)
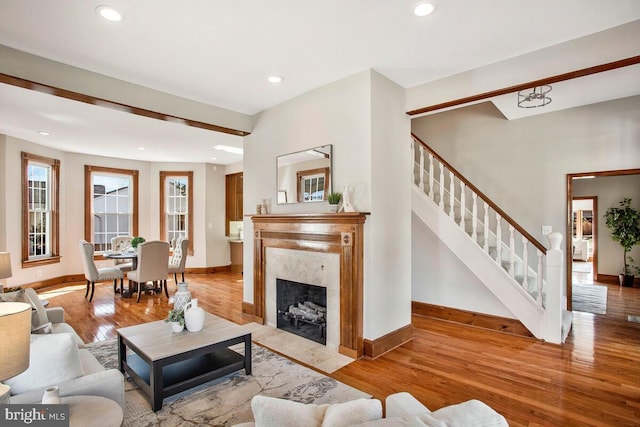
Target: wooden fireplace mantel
point(339, 233)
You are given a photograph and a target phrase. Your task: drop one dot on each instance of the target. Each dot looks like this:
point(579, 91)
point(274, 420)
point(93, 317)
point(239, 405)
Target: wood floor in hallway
point(592, 380)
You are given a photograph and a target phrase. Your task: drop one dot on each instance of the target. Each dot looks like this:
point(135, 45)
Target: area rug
point(227, 400)
point(590, 298)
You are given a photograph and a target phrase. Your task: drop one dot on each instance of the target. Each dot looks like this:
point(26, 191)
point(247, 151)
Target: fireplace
point(302, 309)
point(317, 249)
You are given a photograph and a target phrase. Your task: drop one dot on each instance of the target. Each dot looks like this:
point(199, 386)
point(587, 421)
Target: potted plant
point(136, 241)
point(624, 224)
point(334, 200)
point(176, 318)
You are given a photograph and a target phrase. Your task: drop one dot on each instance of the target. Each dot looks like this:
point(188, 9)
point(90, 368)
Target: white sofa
point(57, 357)
point(402, 409)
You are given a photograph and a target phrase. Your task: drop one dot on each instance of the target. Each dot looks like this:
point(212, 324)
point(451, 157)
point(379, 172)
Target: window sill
point(41, 261)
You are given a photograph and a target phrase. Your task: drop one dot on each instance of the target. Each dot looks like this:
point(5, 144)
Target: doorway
point(605, 188)
point(584, 242)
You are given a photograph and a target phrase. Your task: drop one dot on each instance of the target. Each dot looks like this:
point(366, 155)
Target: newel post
point(554, 301)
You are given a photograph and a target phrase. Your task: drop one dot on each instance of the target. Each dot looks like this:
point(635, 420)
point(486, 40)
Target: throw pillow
point(352, 412)
point(273, 412)
point(15, 296)
point(53, 359)
point(472, 413)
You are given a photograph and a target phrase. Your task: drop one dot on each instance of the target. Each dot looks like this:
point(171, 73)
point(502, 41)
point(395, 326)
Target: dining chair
point(93, 274)
point(119, 244)
point(153, 267)
point(179, 258)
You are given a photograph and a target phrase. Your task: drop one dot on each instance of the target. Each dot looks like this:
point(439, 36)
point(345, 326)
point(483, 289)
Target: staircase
point(521, 272)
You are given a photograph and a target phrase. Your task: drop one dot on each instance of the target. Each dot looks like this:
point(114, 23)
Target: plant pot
point(626, 280)
point(176, 327)
point(333, 208)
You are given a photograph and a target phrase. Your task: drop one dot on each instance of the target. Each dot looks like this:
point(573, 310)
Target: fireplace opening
point(302, 309)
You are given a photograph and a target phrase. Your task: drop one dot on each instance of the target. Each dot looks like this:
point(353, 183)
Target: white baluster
point(474, 219)
point(431, 176)
point(486, 228)
point(452, 195)
point(441, 202)
point(463, 203)
point(539, 278)
point(512, 251)
point(421, 168)
point(498, 240)
point(525, 264)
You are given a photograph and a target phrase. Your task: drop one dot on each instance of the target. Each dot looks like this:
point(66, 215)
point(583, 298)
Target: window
point(312, 184)
point(176, 206)
point(40, 206)
point(111, 205)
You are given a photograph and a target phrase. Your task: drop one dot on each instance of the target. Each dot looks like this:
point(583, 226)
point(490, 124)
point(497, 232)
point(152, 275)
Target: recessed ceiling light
point(275, 79)
point(109, 13)
point(44, 132)
point(424, 8)
point(228, 149)
point(141, 148)
point(214, 158)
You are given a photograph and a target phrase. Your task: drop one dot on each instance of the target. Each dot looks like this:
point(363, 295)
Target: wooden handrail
point(484, 197)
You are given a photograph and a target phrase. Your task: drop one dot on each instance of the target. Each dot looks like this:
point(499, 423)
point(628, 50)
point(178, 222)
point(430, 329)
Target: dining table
point(132, 255)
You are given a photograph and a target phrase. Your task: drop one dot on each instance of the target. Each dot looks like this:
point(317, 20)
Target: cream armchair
point(153, 266)
point(93, 274)
point(581, 249)
point(179, 258)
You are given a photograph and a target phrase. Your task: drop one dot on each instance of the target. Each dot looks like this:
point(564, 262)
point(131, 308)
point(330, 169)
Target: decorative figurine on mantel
point(346, 200)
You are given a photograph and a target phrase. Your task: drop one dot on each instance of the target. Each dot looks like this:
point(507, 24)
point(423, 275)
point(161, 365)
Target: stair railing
point(484, 222)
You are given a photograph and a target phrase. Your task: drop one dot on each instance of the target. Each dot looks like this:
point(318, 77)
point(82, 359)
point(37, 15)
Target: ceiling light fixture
point(109, 13)
point(275, 79)
point(534, 98)
point(44, 132)
point(141, 148)
point(424, 8)
point(229, 149)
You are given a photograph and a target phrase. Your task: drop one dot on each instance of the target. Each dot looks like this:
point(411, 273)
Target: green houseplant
point(176, 318)
point(334, 200)
point(136, 241)
point(624, 224)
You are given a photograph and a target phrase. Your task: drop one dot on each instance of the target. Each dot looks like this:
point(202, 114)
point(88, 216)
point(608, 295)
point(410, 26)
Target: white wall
point(362, 116)
point(211, 247)
point(610, 190)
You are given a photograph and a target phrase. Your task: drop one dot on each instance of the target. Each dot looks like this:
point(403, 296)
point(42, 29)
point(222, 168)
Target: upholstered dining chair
point(179, 258)
point(119, 244)
point(153, 267)
point(93, 274)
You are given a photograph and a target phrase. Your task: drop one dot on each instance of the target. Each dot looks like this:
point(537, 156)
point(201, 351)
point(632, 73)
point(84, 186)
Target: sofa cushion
point(14, 296)
point(353, 412)
point(273, 412)
point(39, 320)
point(471, 413)
point(52, 359)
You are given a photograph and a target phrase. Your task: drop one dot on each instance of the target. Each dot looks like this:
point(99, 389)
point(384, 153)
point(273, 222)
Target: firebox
point(302, 309)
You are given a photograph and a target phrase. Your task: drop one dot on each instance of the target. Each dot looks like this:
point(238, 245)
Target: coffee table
point(163, 363)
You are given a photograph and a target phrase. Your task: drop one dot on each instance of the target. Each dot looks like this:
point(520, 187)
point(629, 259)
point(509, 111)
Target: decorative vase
point(51, 396)
point(176, 327)
point(182, 296)
point(193, 316)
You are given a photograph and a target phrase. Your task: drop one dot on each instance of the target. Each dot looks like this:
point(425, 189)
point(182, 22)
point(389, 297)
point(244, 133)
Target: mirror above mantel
point(304, 176)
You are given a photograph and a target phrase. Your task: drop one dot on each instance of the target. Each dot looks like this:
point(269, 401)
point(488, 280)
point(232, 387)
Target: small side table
point(94, 411)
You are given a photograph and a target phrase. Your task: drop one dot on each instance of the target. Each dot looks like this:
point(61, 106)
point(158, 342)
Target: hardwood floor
point(592, 380)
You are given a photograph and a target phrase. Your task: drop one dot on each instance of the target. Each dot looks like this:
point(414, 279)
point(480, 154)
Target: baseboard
point(247, 312)
point(60, 280)
point(480, 320)
point(388, 342)
point(608, 278)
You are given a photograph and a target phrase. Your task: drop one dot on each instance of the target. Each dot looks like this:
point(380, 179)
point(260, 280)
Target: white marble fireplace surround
point(312, 268)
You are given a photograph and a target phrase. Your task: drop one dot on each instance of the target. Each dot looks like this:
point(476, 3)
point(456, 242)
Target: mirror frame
point(298, 157)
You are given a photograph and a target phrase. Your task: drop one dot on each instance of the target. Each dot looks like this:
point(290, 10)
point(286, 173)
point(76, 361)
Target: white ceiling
point(220, 53)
